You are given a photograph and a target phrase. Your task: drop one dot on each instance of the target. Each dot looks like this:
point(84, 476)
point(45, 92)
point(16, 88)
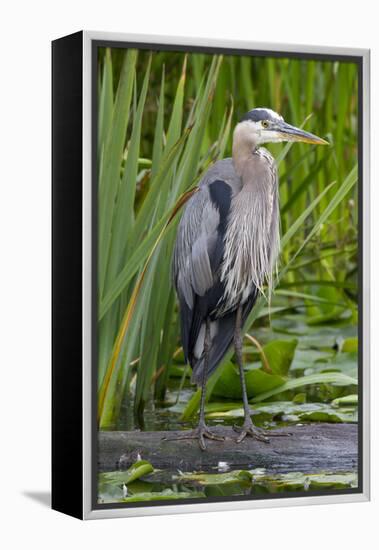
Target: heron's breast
point(249, 242)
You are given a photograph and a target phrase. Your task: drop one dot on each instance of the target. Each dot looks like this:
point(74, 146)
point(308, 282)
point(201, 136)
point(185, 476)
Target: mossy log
point(310, 448)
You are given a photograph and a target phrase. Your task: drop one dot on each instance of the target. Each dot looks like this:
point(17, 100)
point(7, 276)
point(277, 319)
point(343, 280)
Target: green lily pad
point(109, 493)
point(307, 358)
point(346, 363)
point(330, 416)
point(286, 411)
point(237, 482)
point(323, 338)
point(216, 479)
point(300, 398)
point(167, 494)
point(137, 470)
point(322, 378)
point(345, 400)
point(350, 345)
point(279, 354)
point(298, 481)
point(257, 381)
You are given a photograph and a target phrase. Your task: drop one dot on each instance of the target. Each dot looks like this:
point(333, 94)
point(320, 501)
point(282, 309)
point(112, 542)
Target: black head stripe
point(256, 115)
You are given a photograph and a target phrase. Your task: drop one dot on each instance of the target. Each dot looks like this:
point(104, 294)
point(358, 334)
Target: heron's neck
point(243, 150)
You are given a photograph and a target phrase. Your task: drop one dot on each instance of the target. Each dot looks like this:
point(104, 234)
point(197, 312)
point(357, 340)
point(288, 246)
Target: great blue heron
point(225, 251)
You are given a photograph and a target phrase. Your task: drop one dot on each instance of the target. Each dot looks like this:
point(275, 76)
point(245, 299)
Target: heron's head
point(263, 125)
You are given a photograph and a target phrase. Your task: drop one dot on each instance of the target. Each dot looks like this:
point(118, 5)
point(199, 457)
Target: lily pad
point(215, 479)
point(321, 378)
point(237, 482)
point(350, 345)
point(298, 481)
point(279, 354)
point(329, 415)
point(345, 400)
point(137, 470)
point(287, 411)
point(300, 397)
point(257, 381)
point(109, 493)
point(346, 363)
point(307, 358)
point(167, 494)
point(314, 337)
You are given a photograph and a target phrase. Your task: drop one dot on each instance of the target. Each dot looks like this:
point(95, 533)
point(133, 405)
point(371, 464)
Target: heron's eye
point(265, 123)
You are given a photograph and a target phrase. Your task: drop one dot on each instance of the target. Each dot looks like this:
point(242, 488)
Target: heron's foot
point(248, 429)
point(200, 433)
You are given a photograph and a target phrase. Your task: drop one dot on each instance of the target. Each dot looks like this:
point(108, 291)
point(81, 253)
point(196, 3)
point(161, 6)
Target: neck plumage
point(252, 239)
point(243, 149)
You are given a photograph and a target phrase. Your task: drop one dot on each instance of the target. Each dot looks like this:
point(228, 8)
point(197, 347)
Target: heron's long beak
point(291, 133)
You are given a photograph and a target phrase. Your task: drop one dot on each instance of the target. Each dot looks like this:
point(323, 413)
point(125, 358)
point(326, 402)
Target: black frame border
point(67, 271)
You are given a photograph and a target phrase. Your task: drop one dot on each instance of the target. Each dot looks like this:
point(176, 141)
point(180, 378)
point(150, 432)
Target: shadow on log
point(311, 448)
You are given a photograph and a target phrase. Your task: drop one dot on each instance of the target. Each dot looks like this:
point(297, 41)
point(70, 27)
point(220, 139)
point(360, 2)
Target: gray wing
point(197, 232)
point(199, 251)
point(195, 240)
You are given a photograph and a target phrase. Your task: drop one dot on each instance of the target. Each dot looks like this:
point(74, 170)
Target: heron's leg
point(202, 430)
point(247, 427)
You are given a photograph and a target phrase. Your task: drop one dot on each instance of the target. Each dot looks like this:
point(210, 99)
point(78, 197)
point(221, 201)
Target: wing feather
point(192, 271)
point(199, 250)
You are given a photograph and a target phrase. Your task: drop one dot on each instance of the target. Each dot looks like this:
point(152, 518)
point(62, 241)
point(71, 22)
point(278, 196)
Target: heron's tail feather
point(221, 341)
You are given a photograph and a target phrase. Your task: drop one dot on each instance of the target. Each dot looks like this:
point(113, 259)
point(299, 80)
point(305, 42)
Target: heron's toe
point(248, 429)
